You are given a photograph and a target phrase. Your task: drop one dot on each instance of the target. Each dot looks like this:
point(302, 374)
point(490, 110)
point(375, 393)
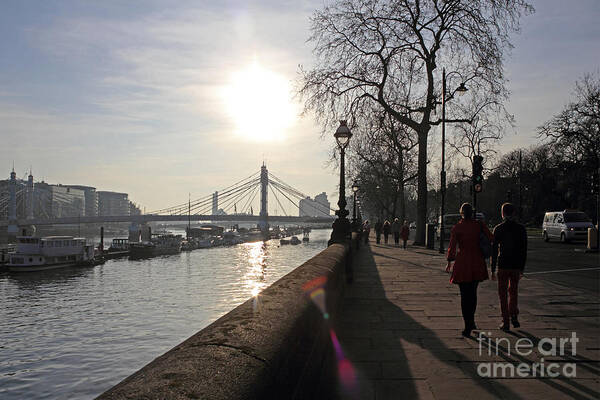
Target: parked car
point(566, 225)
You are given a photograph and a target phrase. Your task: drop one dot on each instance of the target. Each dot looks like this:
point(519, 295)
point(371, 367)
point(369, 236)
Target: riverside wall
point(275, 346)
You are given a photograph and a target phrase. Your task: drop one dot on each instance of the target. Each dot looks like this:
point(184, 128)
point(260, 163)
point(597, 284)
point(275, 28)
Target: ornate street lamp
point(354, 220)
point(461, 90)
point(341, 227)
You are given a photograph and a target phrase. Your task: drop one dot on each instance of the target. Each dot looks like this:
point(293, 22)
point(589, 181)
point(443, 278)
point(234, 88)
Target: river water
point(75, 332)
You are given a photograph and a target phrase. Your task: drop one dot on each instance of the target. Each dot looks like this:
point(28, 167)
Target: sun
point(259, 103)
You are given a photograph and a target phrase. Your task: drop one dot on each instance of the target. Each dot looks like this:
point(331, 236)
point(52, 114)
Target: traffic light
point(477, 173)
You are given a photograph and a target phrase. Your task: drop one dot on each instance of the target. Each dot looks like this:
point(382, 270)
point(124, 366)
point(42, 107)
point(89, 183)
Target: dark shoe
point(466, 333)
point(504, 327)
point(515, 322)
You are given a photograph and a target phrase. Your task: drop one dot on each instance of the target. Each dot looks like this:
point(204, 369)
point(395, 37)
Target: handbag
point(484, 243)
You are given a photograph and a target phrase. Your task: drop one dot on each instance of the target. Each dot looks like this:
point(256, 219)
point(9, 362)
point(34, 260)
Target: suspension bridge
point(233, 203)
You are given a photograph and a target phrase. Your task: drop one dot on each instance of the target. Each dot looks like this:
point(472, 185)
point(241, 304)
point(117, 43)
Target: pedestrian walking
point(396, 230)
point(366, 230)
point(378, 229)
point(386, 230)
point(404, 232)
point(509, 253)
point(469, 265)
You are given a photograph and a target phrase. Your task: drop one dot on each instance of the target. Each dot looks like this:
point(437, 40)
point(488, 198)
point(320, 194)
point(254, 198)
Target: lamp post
point(354, 220)
point(461, 90)
point(341, 226)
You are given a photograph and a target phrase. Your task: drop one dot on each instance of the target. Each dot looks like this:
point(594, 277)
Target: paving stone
point(403, 389)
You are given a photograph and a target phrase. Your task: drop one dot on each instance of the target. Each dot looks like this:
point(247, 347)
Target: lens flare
point(346, 372)
point(316, 291)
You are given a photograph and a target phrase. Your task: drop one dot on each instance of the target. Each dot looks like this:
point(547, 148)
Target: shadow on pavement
point(373, 329)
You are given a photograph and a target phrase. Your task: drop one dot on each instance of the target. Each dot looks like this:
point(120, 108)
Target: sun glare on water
point(259, 102)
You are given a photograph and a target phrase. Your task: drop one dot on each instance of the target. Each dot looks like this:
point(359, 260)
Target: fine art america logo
point(525, 347)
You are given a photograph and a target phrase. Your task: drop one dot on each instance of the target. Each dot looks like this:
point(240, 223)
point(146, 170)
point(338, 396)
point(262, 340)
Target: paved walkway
point(400, 327)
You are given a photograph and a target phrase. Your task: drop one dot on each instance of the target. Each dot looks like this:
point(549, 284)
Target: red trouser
point(508, 284)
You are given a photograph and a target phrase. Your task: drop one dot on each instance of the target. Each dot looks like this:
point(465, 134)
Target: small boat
point(205, 244)
point(157, 246)
point(231, 238)
point(118, 248)
point(42, 253)
point(189, 245)
point(294, 240)
point(255, 235)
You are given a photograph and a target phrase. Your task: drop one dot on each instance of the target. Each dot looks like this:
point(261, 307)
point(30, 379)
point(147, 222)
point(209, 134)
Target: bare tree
point(387, 52)
point(576, 130)
point(483, 133)
point(382, 160)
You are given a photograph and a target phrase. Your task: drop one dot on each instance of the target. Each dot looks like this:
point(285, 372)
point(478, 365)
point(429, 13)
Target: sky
point(159, 99)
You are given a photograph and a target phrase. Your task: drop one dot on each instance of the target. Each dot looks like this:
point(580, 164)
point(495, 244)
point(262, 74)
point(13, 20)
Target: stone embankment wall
point(275, 346)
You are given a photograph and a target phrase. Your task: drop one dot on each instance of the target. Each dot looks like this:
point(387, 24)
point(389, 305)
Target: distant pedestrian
point(386, 230)
point(509, 252)
point(469, 265)
point(366, 230)
point(378, 229)
point(396, 230)
point(404, 233)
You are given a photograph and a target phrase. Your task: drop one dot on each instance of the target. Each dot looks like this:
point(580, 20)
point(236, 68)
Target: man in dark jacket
point(509, 252)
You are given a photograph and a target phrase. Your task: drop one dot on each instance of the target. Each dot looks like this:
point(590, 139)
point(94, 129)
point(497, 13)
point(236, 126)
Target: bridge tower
point(215, 203)
point(263, 222)
point(30, 195)
point(13, 229)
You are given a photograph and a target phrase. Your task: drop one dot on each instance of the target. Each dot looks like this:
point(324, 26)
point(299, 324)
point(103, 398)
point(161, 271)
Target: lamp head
point(342, 135)
point(461, 89)
point(355, 187)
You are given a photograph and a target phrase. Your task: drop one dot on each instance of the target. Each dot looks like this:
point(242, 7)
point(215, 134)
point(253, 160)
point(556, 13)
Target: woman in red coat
point(404, 232)
point(469, 265)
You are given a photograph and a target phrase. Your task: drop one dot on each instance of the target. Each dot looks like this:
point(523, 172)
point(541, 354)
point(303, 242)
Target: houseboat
point(42, 253)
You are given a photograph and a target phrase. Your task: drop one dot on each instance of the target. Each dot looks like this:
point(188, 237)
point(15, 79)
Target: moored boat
point(157, 246)
point(42, 253)
point(118, 248)
point(231, 238)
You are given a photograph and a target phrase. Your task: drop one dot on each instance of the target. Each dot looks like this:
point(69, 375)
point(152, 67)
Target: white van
point(566, 225)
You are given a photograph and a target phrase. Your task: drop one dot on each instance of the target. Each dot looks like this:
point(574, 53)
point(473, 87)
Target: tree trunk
point(422, 187)
point(401, 186)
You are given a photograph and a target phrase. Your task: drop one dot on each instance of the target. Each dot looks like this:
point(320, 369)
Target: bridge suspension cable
point(286, 189)
point(242, 193)
point(199, 203)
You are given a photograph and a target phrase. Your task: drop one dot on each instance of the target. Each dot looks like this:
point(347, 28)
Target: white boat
point(231, 238)
point(38, 254)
